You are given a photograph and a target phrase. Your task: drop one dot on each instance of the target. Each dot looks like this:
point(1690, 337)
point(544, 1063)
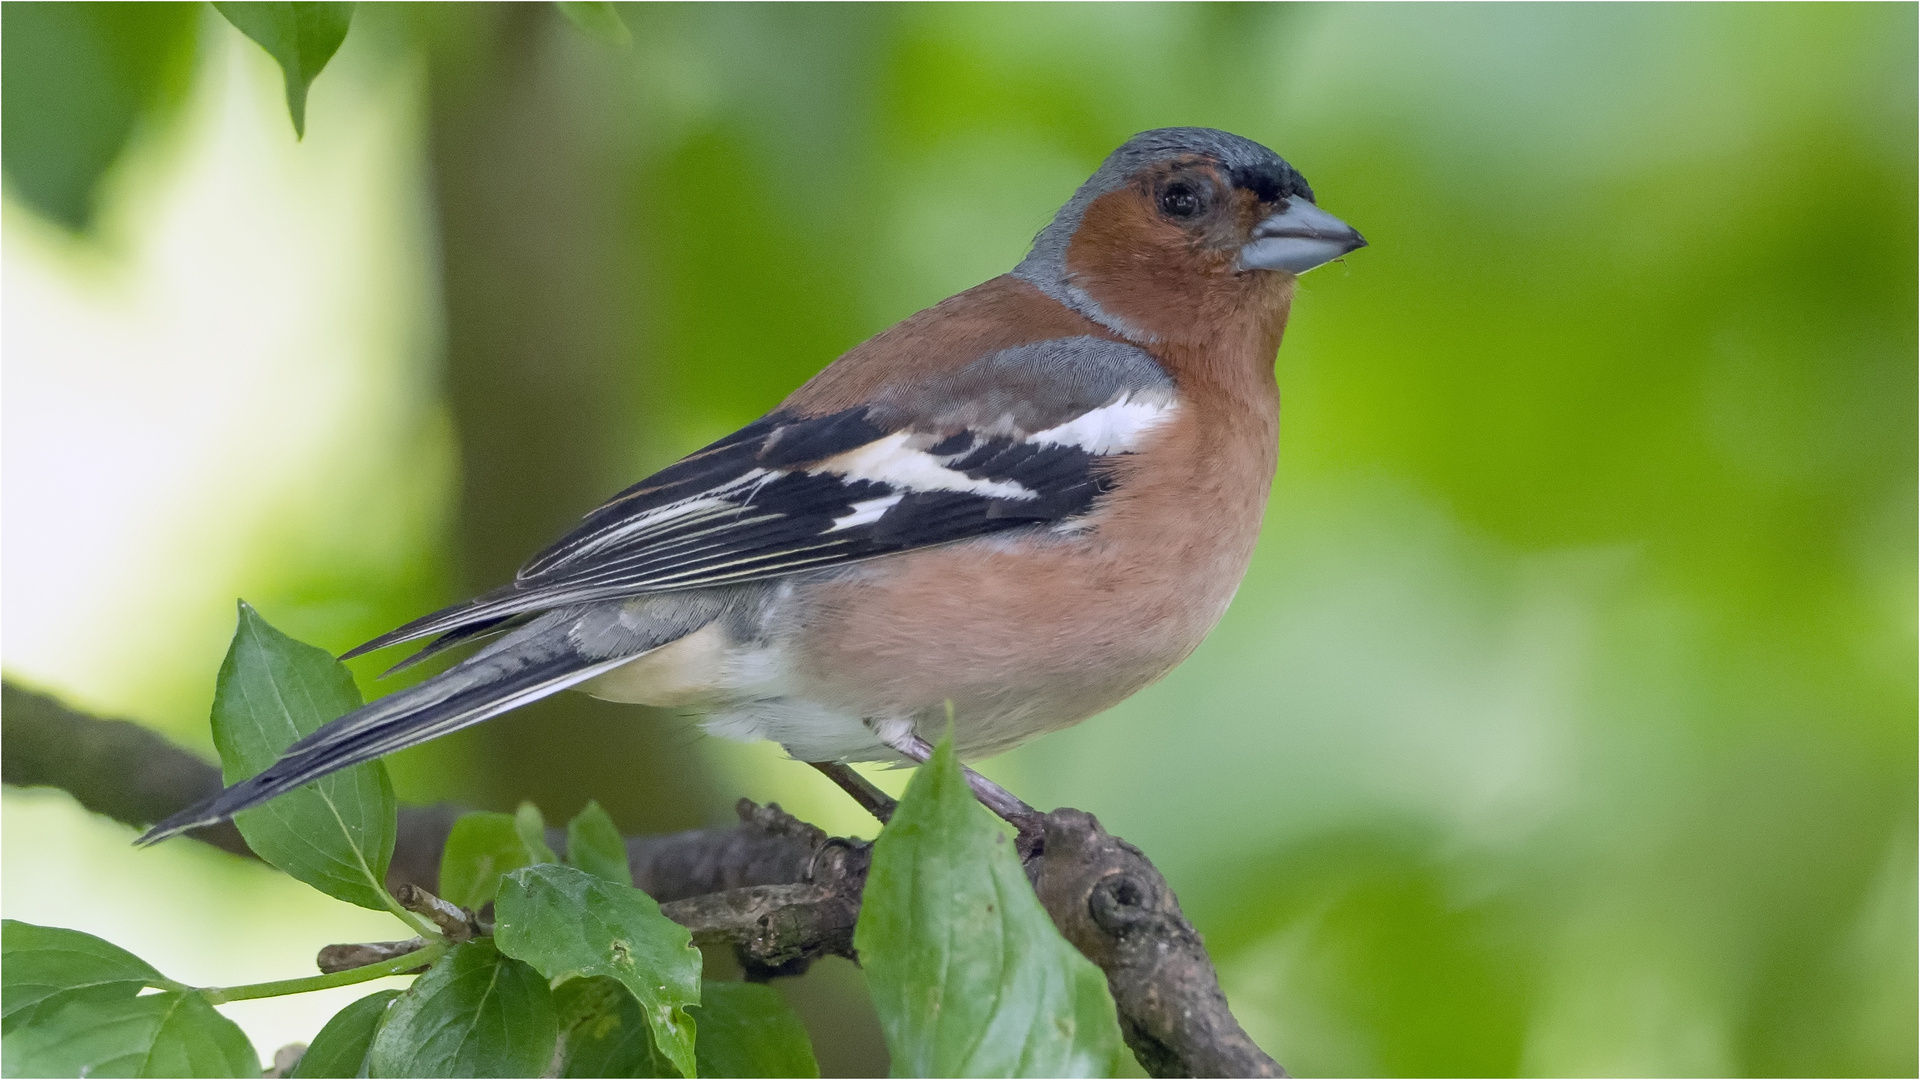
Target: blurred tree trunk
point(535, 186)
point(527, 173)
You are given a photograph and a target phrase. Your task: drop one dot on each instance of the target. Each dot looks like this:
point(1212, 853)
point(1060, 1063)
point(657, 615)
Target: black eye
point(1181, 200)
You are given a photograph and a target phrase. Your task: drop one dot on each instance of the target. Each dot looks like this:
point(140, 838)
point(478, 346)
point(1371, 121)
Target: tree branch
point(781, 892)
point(1107, 898)
point(112, 767)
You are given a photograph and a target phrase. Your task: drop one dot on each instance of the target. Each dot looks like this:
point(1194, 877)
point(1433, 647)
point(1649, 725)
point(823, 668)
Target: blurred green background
point(1566, 721)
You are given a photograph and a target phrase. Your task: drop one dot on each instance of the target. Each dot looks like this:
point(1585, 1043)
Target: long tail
point(539, 660)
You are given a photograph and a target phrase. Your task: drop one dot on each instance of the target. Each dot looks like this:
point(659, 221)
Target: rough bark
point(1110, 902)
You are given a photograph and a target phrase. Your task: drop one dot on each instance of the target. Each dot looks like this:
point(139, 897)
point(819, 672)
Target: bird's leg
point(994, 797)
point(871, 799)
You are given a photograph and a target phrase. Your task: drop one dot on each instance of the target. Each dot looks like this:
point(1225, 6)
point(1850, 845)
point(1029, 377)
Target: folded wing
point(1022, 438)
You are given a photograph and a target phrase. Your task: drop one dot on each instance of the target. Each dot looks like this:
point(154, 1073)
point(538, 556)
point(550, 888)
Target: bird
point(999, 517)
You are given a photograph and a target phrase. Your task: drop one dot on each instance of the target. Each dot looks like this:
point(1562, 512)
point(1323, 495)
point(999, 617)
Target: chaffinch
point(1016, 507)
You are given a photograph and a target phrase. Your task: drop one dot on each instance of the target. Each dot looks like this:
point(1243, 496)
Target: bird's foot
point(871, 799)
point(1027, 822)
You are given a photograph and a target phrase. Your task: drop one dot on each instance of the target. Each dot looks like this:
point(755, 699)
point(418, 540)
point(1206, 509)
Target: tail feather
point(464, 635)
point(479, 611)
point(513, 672)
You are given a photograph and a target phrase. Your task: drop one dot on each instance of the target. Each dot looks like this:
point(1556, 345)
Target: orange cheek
point(1150, 274)
point(1137, 267)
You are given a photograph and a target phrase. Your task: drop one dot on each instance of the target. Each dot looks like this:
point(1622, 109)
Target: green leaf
point(474, 1013)
point(481, 847)
point(336, 834)
point(606, 1034)
point(301, 36)
point(533, 833)
point(597, 20)
point(43, 967)
point(168, 1034)
point(565, 921)
point(968, 974)
point(745, 1030)
point(76, 81)
point(594, 844)
point(342, 1047)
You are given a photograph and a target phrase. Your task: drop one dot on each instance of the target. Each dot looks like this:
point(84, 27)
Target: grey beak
point(1298, 239)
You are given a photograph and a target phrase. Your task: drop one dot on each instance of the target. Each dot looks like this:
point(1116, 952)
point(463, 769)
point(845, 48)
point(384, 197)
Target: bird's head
point(1183, 227)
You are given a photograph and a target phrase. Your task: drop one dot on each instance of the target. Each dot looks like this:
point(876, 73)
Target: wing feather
point(790, 493)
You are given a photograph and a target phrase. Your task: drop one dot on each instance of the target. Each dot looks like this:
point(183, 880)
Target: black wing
point(789, 493)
